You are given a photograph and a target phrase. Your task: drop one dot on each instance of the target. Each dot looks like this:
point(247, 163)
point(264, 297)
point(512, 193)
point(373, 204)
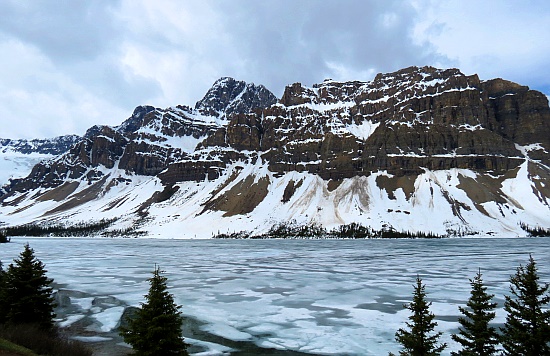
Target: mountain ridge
point(417, 141)
point(51, 146)
point(18, 156)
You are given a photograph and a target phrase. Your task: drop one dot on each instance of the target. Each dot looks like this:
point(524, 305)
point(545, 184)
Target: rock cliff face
point(400, 122)
point(402, 125)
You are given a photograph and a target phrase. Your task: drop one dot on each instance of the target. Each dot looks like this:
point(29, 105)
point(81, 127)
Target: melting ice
point(320, 296)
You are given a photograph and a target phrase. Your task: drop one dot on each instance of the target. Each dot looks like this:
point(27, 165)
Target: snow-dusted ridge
point(17, 157)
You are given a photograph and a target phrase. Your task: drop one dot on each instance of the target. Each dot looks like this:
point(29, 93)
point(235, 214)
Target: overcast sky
point(66, 65)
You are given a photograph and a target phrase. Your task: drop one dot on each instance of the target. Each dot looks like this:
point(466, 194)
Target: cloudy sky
point(69, 64)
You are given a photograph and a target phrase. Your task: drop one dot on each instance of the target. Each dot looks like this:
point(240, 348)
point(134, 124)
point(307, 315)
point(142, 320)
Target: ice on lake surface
point(314, 296)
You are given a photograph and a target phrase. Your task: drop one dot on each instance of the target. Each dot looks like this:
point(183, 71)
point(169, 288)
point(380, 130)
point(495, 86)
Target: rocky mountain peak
point(400, 85)
point(296, 94)
point(421, 81)
point(134, 122)
point(416, 74)
point(229, 96)
point(131, 124)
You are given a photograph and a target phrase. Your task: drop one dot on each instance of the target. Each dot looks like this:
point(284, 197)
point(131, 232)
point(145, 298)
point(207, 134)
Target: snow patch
point(528, 148)
point(470, 127)
point(363, 130)
point(109, 318)
point(70, 320)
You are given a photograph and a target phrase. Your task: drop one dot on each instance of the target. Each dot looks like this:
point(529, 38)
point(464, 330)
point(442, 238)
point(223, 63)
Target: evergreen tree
point(419, 341)
point(28, 295)
point(156, 327)
point(3, 307)
point(3, 237)
point(475, 334)
point(527, 327)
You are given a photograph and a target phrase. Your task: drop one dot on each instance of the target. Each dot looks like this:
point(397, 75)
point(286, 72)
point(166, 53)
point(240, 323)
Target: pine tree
point(156, 327)
point(28, 296)
point(527, 327)
point(3, 237)
point(419, 341)
point(3, 306)
point(475, 334)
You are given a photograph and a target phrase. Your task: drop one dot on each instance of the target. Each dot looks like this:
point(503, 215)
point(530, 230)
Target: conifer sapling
point(475, 335)
point(156, 327)
point(28, 295)
point(420, 340)
point(527, 327)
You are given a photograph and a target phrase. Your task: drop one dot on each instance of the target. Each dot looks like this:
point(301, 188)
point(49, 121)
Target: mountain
point(420, 149)
point(17, 157)
point(53, 146)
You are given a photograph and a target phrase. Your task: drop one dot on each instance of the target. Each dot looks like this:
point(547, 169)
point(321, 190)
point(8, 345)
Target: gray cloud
point(284, 42)
point(80, 39)
point(65, 31)
point(77, 63)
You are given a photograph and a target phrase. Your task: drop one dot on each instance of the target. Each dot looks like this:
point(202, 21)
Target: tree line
point(536, 231)
point(27, 300)
point(77, 229)
point(293, 230)
point(62, 230)
point(282, 230)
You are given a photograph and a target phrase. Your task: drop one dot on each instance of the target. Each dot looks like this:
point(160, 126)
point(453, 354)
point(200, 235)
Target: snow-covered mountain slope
point(18, 165)
point(421, 149)
point(17, 157)
point(248, 197)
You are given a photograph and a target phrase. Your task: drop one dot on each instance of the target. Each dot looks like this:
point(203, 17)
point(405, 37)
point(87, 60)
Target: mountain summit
point(229, 96)
point(420, 149)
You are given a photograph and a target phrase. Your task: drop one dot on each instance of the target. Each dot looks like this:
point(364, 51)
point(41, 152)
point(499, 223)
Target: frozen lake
point(314, 296)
